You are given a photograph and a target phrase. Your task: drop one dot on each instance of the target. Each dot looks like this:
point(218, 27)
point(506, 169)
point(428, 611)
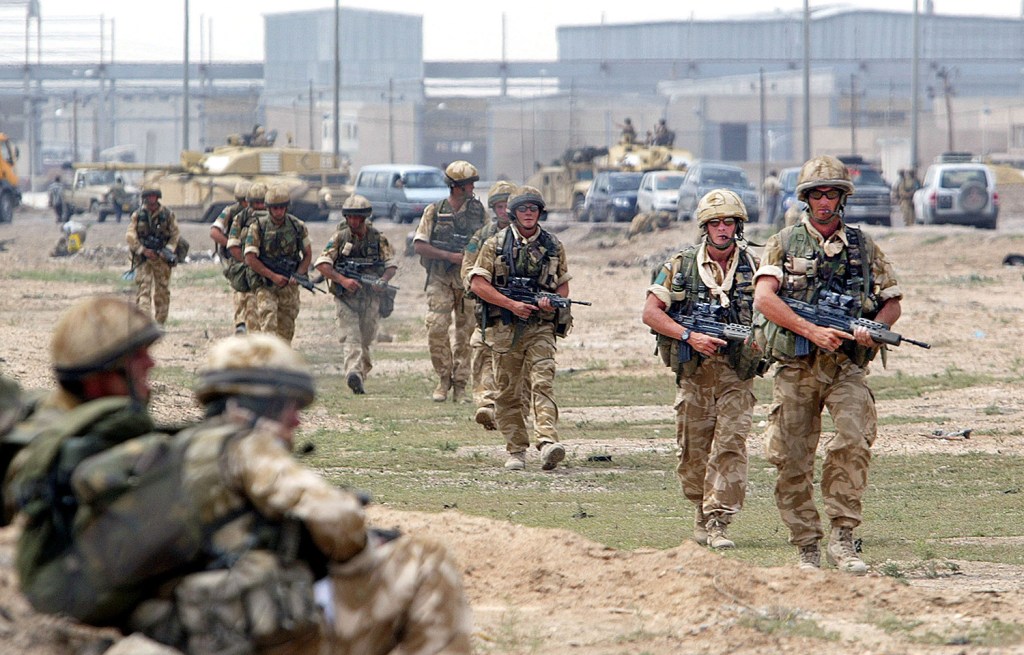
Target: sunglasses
point(277, 206)
point(817, 194)
point(528, 208)
point(728, 222)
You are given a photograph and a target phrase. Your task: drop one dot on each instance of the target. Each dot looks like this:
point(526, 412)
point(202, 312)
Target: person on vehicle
point(152, 239)
point(628, 135)
point(822, 254)
point(714, 387)
point(277, 248)
point(366, 252)
point(522, 335)
point(440, 241)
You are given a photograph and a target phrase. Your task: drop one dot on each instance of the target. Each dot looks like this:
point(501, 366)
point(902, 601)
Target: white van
point(401, 191)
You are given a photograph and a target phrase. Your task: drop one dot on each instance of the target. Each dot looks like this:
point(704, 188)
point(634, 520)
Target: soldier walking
point(714, 388)
point(440, 241)
point(152, 238)
point(277, 248)
point(239, 275)
point(358, 248)
point(219, 231)
point(822, 254)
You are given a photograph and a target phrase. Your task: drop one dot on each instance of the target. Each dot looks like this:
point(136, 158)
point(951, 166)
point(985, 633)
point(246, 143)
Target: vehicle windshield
point(726, 177)
point(668, 182)
point(954, 179)
point(867, 177)
point(424, 180)
point(629, 182)
point(99, 177)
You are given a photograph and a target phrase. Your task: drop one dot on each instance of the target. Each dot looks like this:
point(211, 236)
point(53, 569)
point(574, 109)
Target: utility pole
point(391, 120)
point(764, 138)
point(807, 80)
point(853, 113)
point(337, 82)
point(184, 115)
point(915, 91)
point(311, 105)
point(946, 74)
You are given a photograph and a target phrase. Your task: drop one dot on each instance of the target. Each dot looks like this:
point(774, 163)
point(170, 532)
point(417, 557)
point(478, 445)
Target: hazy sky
point(452, 30)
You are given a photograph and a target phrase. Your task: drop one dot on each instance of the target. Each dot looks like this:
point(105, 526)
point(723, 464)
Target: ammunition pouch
point(237, 274)
point(387, 304)
point(563, 322)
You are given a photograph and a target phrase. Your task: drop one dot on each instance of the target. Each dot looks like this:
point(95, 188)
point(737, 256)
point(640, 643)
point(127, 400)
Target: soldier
point(152, 239)
point(363, 250)
point(100, 358)
point(219, 231)
point(820, 254)
point(238, 272)
point(771, 189)
point(277, 249)
point(714, 388)
point(628, 135)
point(118, 197)
point(521, 335)
point(440, 241)
point(72, 238)
point(481, 363)
point(905, 188)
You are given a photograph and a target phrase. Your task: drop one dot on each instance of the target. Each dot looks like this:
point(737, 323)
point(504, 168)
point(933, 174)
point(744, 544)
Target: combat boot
point(459, 393)
point(841, 552)
point(716, 535)
point(551, 454)
point(700, 528)
point(516, 461)
point(355, 383)
point(810, 557)
point(441, 391)
point(485, 417)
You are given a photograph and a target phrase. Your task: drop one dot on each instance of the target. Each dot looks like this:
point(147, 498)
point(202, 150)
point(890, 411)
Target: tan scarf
point(718, 290)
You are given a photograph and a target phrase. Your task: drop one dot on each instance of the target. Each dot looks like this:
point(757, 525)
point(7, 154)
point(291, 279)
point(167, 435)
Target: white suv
point(659, 191)
point(961, 193)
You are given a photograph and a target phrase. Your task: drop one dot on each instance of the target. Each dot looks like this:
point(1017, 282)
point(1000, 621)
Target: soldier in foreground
point(440, 241)
point(359, 251)
point(219, 231)
point(522, 335)
point(277, 249)
point(822, 254)
point(152, 239)
point(714, 378)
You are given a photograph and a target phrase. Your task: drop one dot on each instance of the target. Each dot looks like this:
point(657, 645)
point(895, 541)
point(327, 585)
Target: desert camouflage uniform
point(152, 276)
point(652, 221)
point(481, 364)
point(523, 349)
point(714, 402)
point(276, 307)
point(804, 386)
point(358, 313)
point(231, 222)
point(445, 291)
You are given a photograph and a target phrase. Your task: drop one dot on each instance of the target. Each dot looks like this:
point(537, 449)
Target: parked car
point(659, 191)
point(961, 193)
point(611, 197)
point(401, 192)
point(703, 176)
point(871, 201)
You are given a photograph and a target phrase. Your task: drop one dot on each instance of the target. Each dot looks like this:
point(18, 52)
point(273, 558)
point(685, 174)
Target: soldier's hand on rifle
point(863, 337)
point(281, 280)
point(705, 344)
point(525, 310)
point(828, 338)
point(350, 284)
point(545, 304)
point(150, 254)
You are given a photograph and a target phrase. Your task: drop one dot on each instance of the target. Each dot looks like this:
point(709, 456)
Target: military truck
point(96, 190)
point(10, 194)
point(564, 184)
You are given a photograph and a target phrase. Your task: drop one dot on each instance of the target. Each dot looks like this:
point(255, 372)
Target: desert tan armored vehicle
point(565, 183)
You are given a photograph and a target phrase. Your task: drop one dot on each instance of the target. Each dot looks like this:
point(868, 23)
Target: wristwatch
point(686, 335)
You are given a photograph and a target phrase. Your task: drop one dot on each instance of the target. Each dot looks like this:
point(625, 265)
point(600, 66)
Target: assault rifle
point(833, 310)
point(457, 243)
point(523, 289)
point(706, 318)
point(160, 246)
point(307, 284)
point(354, 271)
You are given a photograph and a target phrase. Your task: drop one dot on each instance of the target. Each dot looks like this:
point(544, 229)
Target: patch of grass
point(971, 280)
point(784, 621)
point(73, 276)
point(901, 386)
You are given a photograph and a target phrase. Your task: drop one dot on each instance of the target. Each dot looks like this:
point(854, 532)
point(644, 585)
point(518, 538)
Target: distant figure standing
point(662, 135)
point(770, 191)
point(905, 188)
point(118, 197)
point(628, 136)
point(55, 197)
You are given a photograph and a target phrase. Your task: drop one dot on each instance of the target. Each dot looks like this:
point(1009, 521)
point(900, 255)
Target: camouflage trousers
point(153, 288)
point(524, 370)
point(713, 418)
point(802, 389)
point(408, 599)
point(446, 303)
point(245, 308)
point(907, 208)
point(357, 324)
point(276, 310)
point(482, 369)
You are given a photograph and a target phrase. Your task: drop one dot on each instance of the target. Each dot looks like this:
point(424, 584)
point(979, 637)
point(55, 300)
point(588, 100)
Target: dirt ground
point(570, 595)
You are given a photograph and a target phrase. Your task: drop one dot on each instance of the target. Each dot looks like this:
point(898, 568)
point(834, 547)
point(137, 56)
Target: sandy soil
point(569, 595)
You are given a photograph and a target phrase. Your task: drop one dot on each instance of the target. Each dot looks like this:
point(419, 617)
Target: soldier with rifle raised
point(700, 306)
point(277, 249)
point(152, 239)
point(358, 262)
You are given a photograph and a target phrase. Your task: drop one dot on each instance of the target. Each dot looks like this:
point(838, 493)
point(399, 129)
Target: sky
point(153, 31)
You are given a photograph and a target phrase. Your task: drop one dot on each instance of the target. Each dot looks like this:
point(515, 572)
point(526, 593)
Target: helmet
point(241, 189)
point(356, 205)
point(260, 364)
point(257, 192)
point(524, 195)
point(499, 192)
point(720, 203)
point(823, 171)
point(461, 172)
point(277, 195)
point(96, 333)
point(151, 189)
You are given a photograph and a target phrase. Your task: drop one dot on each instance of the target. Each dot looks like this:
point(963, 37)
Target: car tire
point(395, 215)
point(973, 197)
point(577, 208)
point(6, 208)
point(610, 216)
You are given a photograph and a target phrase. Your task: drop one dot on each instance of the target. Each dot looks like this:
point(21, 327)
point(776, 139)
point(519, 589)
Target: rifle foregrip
point(685, 352)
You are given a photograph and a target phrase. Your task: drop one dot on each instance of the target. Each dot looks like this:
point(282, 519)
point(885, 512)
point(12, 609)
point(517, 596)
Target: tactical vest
point(806, 272)
point(687, 289)
point(447, 223)
point(153, 230)
point(281, 246)
point(364, 251)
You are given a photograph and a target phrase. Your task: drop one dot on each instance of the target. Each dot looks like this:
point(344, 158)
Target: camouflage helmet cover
point(241, 189)
point(151, 189)
point(525, 195)
point(461, 172)
point(96, 333)
point(500, 192)
point(356, 205)
point(257, 192)
point(261, 365)
point(278, 195)
point(823, 171)
point(720, 203)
